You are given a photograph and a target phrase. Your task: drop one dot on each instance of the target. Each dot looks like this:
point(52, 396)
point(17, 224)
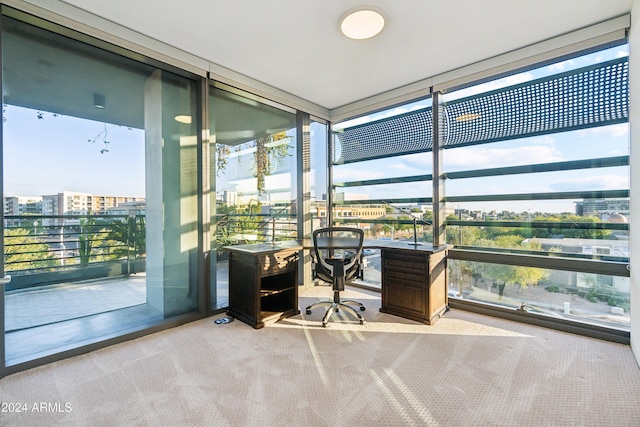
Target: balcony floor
point(54, 318)
point(50, 304)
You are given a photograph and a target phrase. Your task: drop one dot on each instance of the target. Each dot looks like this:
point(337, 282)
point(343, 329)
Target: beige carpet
point(466, 370)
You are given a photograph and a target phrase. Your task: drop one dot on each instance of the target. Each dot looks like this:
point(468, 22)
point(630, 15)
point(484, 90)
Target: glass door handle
point(6, 279)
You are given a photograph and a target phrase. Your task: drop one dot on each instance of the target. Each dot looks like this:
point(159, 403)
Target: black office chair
point(337, 259)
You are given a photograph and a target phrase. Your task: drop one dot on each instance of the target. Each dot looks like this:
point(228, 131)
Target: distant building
point(230, 198)
point(373, 211)
point(70, 203)
point(603, 208)
point(18, 205)
point(134, 208)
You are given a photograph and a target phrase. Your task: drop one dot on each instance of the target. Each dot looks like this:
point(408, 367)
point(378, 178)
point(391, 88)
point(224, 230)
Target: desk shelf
point(263, 285)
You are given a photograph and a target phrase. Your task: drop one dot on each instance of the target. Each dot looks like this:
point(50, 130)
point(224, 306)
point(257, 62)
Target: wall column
point(634, 208)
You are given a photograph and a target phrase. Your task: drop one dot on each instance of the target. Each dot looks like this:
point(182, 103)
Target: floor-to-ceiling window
point(535, 168)
point(318, 176)
point(253, 166)
point(381, 177)
point(537, 164)
point(100, 191)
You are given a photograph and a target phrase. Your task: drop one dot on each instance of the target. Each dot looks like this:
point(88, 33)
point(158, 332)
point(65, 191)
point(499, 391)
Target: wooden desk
point(263, 282)
point(414, 278)
point(414, 281)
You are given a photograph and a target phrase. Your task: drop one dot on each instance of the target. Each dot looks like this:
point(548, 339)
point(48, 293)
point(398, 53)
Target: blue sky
point(51, 154)
point(598, 142)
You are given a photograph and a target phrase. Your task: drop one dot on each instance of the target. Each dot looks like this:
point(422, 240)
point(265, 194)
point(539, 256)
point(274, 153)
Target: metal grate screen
point(586, 97)
point(405, 134)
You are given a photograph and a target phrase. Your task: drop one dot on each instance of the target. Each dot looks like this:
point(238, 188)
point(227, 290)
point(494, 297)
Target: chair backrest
point(331, 244)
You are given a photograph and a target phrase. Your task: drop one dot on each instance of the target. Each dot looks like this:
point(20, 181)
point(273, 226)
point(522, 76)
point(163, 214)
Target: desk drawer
point(277, 262)
point(405, 267)
point(404, 261)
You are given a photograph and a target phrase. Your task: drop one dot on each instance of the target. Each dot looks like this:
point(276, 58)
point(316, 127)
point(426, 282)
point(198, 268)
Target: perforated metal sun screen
point(586, 97)
point(405, 134)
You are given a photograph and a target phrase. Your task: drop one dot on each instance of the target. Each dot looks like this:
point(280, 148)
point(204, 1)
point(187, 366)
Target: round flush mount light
point(362, 22)
point(183, 119)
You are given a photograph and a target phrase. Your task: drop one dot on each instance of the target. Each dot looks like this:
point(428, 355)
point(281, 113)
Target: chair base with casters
point(337, 259)
point(335, 305)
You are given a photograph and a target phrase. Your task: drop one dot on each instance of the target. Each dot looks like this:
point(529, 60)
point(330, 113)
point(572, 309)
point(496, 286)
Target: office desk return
point(263, 280)
point(414, 278)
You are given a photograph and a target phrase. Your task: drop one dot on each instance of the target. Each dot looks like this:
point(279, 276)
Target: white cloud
point(593, 183)
point(482, 158)
point(419, 161)
point(543, 140)
point(489, 86)
point(353, 174)
point(561, 66)
point(400, 166)
point(616, 131)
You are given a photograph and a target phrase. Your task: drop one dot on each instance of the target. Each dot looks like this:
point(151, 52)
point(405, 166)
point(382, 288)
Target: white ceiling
point(295, 45)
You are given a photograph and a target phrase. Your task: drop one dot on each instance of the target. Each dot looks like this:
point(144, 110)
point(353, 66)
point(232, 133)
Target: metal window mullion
point(604, 162)
point(382, 181)
point(204, 190)
point(438, 178)
point(330, 137)
point(303, 197)
point(605, 194)
point(3, 370)
point(542, 224)
point(388, 201)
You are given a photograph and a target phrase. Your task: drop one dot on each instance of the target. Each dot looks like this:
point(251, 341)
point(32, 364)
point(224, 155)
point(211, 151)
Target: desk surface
point(265, 248)
point(384, 244)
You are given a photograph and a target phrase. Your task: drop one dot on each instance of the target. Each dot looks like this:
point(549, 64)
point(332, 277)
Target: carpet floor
point(465, 370)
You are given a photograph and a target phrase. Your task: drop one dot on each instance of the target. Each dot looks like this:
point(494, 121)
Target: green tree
point(127, 238)
point(23, 251)
point(85, 240)
point(504, 274)
point(575, 231)
point(463, 235)
point(233, 224)
point(267, 154)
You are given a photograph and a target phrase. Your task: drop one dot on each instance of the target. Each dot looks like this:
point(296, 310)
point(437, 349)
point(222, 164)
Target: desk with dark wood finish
point(263, 280)
point(414, 282)
point(414, 278)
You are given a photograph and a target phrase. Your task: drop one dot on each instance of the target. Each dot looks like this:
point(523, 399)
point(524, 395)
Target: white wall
point(634, 64)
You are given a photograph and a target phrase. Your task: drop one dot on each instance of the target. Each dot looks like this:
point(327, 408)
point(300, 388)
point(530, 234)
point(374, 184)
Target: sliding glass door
point(253, 171)
point(100, 191)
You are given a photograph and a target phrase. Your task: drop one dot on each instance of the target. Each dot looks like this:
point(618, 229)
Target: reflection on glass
point(99, 189)
point(253, 165)
point(583, 297)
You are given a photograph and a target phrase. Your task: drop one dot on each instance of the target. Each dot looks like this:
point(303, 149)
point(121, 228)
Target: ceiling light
point(98, 101)
point(362, 22)
point(467, 117)
point(183, 119)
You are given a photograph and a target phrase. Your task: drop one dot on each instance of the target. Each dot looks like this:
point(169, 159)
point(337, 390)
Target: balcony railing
point(45, 249)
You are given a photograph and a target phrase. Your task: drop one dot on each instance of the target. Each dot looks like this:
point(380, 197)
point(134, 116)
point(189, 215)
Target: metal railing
point(38, 246)
point(247, 227)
